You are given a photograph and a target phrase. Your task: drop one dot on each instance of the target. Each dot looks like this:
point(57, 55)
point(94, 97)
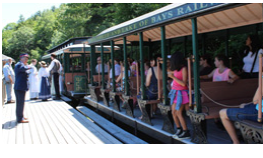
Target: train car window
point(75, 63)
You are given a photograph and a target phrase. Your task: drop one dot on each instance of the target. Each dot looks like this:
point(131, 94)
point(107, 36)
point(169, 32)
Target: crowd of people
point(26, 77)
point(178, 77)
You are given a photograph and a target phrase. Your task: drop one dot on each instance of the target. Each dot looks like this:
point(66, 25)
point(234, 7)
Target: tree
point(84, 19)
point(9, 26)
point(21, 42)
point(21, 19)
point(127, 11)
point(56, 39)
point(44, 30)
point(53, 8)
point(6, 35)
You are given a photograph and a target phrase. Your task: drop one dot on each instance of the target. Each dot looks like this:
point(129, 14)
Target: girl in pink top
point(221, 73)
point(179, 94)
point(224, 76)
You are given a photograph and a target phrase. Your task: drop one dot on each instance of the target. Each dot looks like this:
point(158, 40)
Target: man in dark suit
point(21, 86)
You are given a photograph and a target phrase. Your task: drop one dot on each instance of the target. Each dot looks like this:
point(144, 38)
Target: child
point(221, 73)
point(179, 94)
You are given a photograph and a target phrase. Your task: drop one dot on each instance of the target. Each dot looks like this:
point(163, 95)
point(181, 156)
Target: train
point(188, 25)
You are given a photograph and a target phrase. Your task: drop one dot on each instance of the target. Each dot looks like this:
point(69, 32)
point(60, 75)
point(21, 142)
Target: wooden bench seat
point(95, 92)
point(144, 104)
point(241, 91)
point(253, 124)
point(105, 96)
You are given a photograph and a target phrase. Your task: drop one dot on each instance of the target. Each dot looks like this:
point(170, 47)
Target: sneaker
point(184, 135)
point(177, 133)
point(175, 136)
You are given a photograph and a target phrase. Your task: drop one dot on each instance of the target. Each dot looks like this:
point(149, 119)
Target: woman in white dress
point(44, 82)
point(33, 80)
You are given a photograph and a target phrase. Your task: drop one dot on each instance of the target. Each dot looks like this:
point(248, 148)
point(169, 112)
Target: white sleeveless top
point(248, 62)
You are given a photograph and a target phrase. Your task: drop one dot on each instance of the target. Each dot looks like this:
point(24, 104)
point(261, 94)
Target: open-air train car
point(188, 24)
point(74, 55)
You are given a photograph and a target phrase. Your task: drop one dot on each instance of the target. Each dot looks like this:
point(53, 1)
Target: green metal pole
point(127, 88)
point(164, 66)
point(102, 66)
point(142, 67)
point(113, 66)
point(92, 56)
point(198, 108)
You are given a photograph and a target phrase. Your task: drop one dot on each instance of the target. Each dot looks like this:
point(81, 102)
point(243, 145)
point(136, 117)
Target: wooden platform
point(113, 129)
point(51, 122)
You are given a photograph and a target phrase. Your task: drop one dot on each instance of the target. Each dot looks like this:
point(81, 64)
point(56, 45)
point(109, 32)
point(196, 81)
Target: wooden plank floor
point(51, 122)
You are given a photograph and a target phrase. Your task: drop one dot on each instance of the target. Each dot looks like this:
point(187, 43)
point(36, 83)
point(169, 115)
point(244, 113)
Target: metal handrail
point(137, 78)
point(190, 81)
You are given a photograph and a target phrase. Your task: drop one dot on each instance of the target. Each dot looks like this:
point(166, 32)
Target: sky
point(12, 11)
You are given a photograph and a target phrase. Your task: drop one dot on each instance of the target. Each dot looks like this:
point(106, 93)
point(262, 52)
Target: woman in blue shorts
point(235, 114)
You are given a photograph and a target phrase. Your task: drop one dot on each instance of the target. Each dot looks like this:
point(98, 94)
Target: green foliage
point(35, 54)
point(21, 41)
point(128, 11)
point(46, 29)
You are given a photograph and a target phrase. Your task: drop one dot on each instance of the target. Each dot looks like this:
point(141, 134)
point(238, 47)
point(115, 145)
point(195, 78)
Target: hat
point(53, 55)
point(8, 58)
point(24, 55)
point(43, 63)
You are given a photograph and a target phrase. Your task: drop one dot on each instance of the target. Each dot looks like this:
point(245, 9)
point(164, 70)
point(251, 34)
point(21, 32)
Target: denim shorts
point(249, 112)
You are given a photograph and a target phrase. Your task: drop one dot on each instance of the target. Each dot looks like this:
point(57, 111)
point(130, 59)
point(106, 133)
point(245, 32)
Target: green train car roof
point(177, 19)
point(79, 48)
